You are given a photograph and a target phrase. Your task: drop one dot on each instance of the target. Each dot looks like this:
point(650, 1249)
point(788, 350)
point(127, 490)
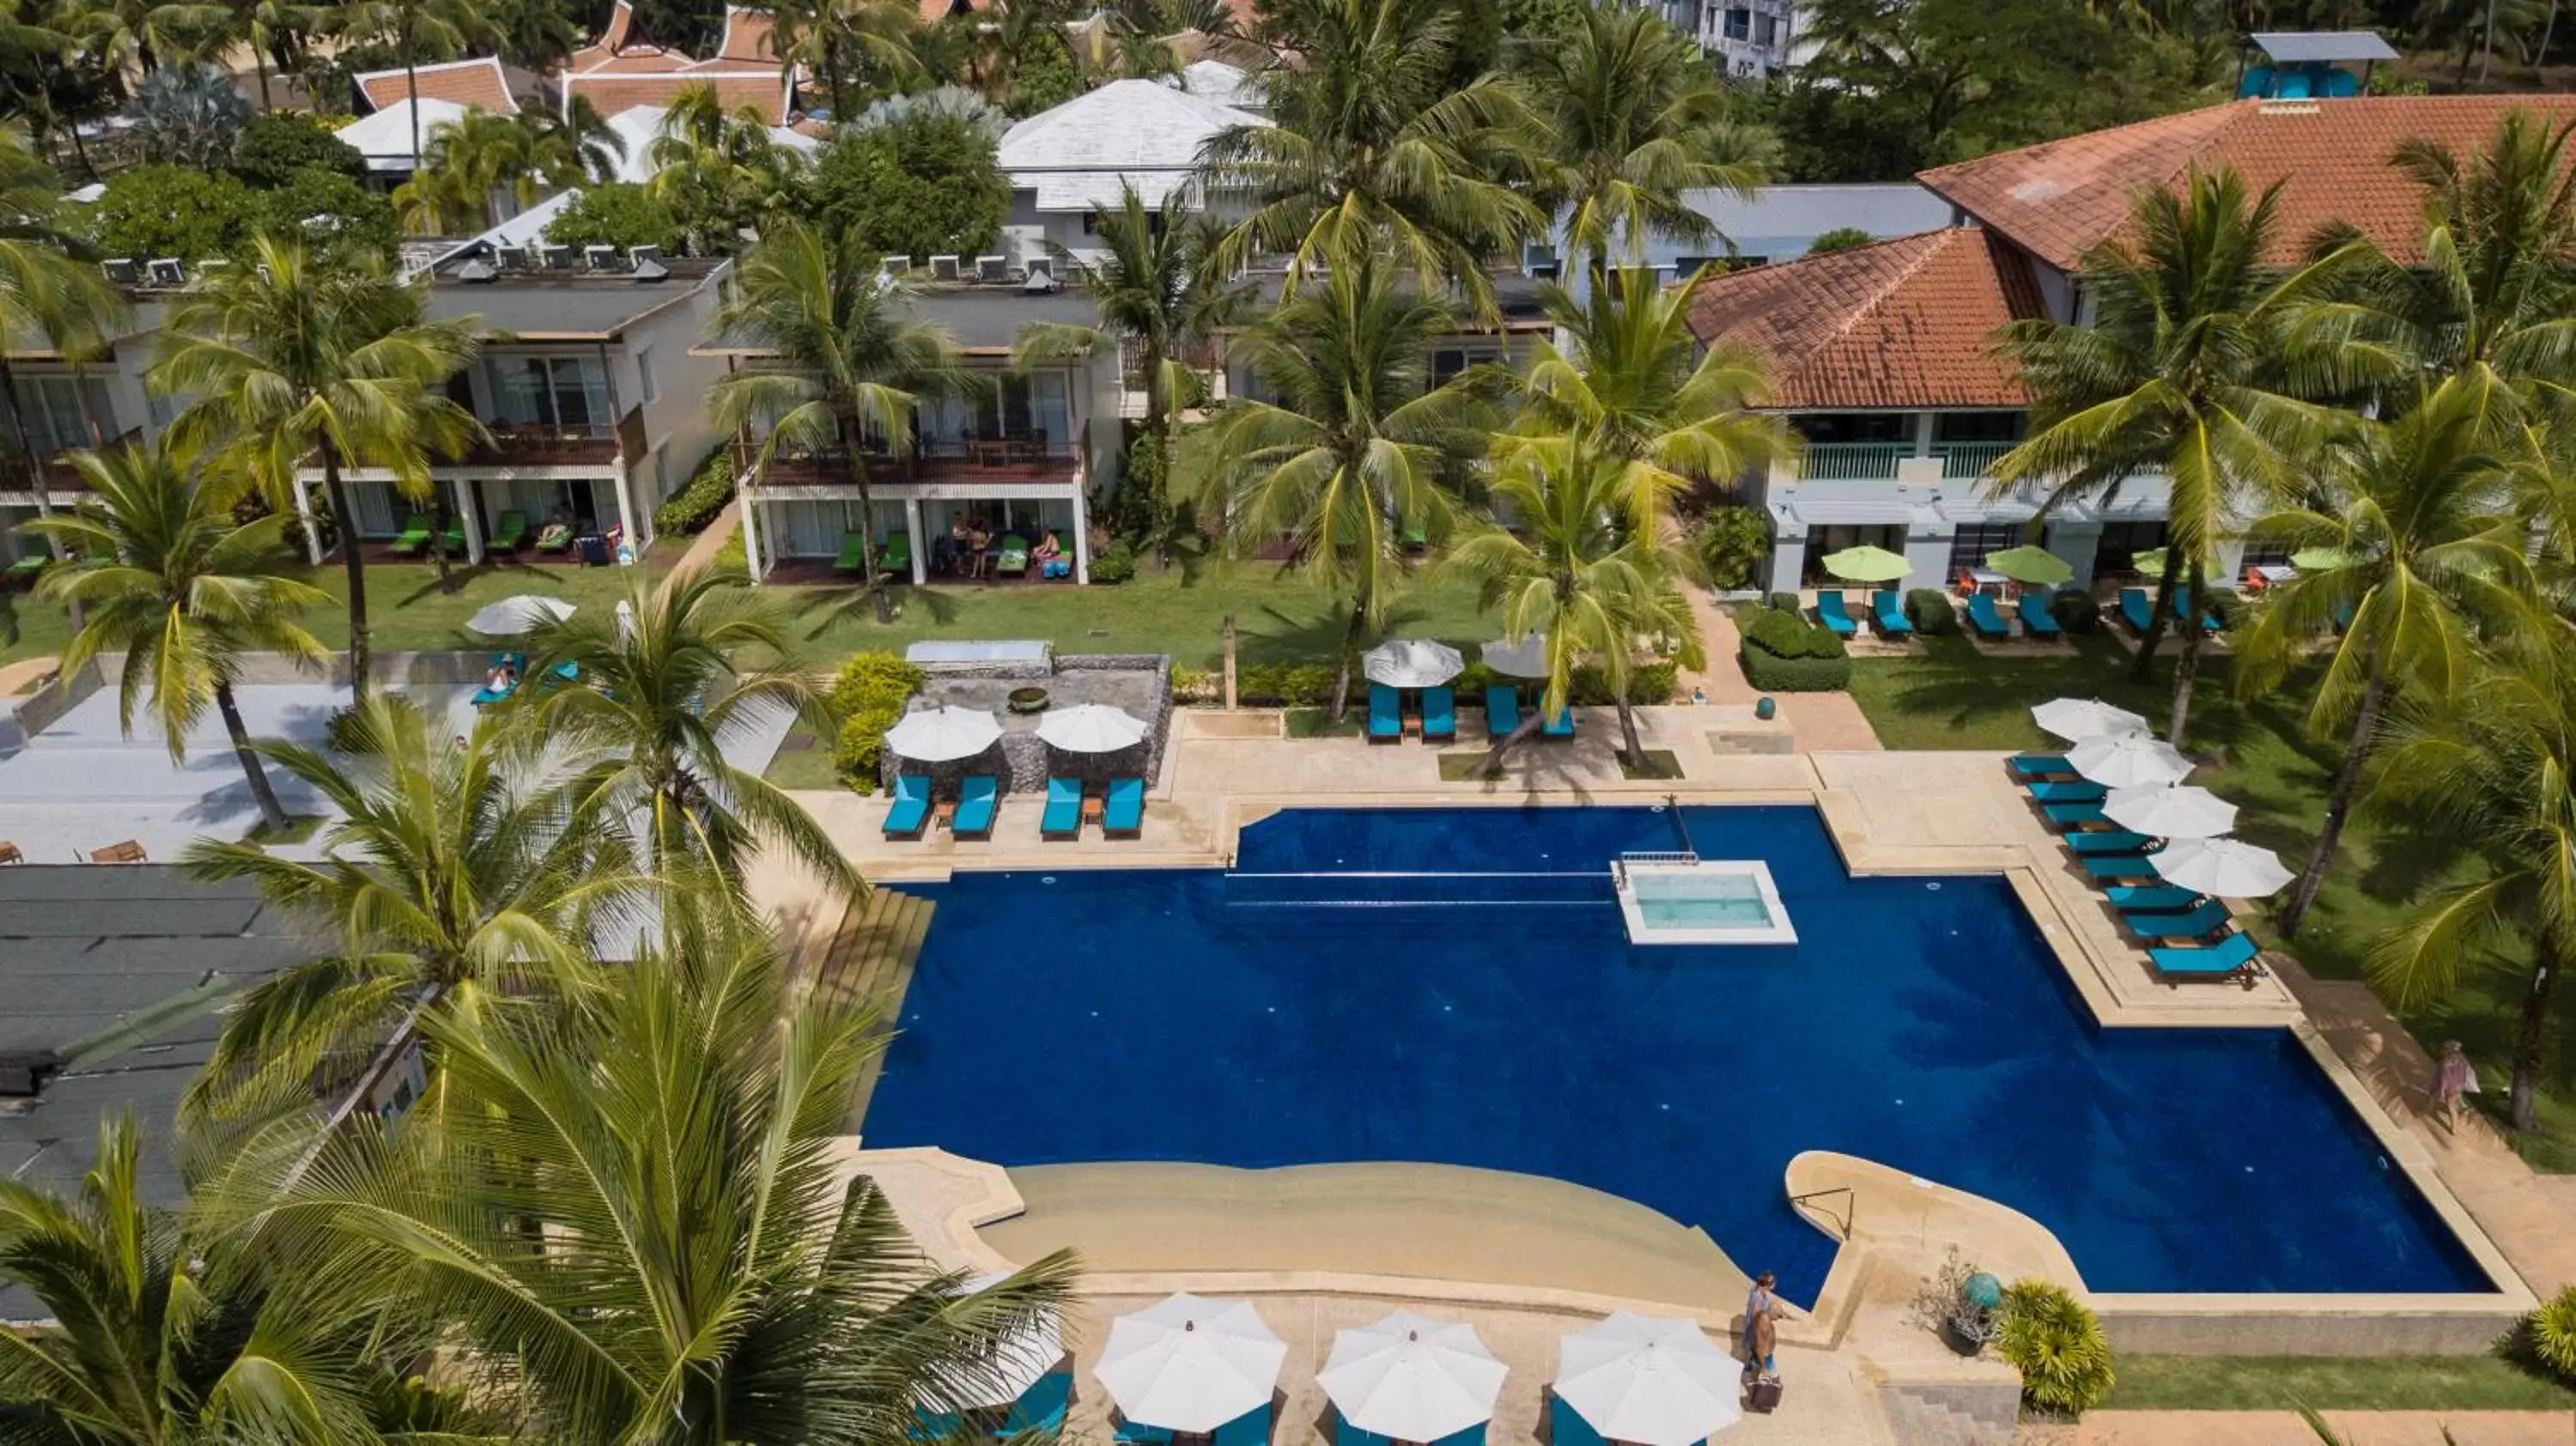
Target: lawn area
point(2332, 1383)
point(2255, 752)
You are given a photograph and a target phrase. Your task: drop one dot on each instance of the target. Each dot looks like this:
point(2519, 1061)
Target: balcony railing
point(1852, 461)
point(60, 474)
point(1970, 459)
point(972, 459)
point(537, 444)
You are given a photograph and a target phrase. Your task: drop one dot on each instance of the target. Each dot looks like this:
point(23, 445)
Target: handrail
point(1851, 1205)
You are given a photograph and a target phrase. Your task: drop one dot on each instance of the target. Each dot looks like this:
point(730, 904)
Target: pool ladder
point(1851, 1205)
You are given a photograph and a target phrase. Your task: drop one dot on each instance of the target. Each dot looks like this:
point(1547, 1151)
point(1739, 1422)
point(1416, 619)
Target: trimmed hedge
point(2075, 610)
point(1784, 654)
point(1785, 602)
point(689, 510)
point(868, 697)
point(1929, 609)
point(1114, 566)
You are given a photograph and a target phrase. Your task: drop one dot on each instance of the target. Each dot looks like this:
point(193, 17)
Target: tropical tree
point(144, 31)
point(416, 28)
point(574, 145)
point(1349, 461)
point(2191, 367)
point(844, 40)
point(1368, 148)
point(480, 153)
point(168, 1328)
point(713, 1272)
point(167, 578)
point(187, 115)
point(44, 291)
point(268, 28)
point(465, 879)
point(1638, 119)
point(1160, 294)
point(853, 365)
point(718, 170)
point(670, 684)
point(1588, 567)
point(290, 358)
point(2493, 769)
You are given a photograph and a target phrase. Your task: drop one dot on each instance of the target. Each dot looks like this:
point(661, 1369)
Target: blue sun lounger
point(1439, 715)
point(1346, 1434)
point(1386, 714)
point(1830, 612)
point(2041, 765)
point(2209, 622)
point(1041, 1406)
point(1887, 609)
point(1252, 1428)
point(2036, 619)
point(911, 812)
point(1983, 617)
point(929, 1425)
point(1137, 1433)
point(1063, 816)
point(2152, 899)
point(2113, 841)
point(2229, 958)
point(976, 798)
point(2200, 923)
point(2116, 866)
point(1122, 808)
point(1560, 726)
point(2135, 610)
point(1566, 1426)
point(2073, 815)
point(2070, 791)
point(1502, 711)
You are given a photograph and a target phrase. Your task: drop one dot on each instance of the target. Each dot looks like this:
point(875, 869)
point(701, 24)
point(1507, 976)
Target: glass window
point(1739, 24)
point(1766, 30)
point(570, 392)
point(55, 422)
point(652, 388)
point(1051, 411)
point(1969, 546)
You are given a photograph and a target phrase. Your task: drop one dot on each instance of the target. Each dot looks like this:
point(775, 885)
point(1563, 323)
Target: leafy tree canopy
point(327, 205)
point(1840, 238)
point(925, 183)
point(167, 210)
point(617, 214)
point(272, 148)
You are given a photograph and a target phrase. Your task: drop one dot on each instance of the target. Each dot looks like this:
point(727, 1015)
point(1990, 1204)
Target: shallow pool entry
point(1681, 898)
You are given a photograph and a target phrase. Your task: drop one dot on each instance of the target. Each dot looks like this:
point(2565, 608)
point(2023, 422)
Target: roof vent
point(477, 271)
point(121, 271)
point(165, 271)
point(649, 269)
point(23, 1076)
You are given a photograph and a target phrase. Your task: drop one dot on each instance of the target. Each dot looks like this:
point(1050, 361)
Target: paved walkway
point(1821, 722)
point(2284, 1428)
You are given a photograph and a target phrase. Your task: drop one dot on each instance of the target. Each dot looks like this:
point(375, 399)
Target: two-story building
point(69, 404)
point(1883, 357)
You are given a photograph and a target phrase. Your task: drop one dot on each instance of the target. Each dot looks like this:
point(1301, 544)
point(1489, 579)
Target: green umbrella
point(1867, 564)
point(2149, 564)
point(2034, 565)
point(2320, 559)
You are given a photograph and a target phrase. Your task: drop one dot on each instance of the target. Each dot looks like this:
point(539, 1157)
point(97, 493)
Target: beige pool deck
point(1527, 1260)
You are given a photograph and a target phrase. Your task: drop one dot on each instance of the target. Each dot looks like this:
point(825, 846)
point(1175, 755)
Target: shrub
point(2228, 607)
point(166, 210)
point(733, 558)
point(689, 510)
point(858, 752)
point(868, 698)
point(1114, 566)
point(1734, 542)
point(922, 184)
point(1198, 685)
point(1286, 685)
point(327, 209)
point(2075, 610)
point(2549, 1333)
point(1839, 238)
point(617, 214)
point(2057, 1345)
point(1929, 609)
point(1785, 602)
point(1785, 654)
point(272, 148)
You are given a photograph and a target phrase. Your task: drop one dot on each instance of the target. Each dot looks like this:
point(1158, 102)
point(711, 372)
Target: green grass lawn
point(803, 761)
point(2255, 752)
point(2332, 1383)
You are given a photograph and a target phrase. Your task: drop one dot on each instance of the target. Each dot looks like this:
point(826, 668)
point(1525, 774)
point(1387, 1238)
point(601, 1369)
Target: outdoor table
point(2275, 572)
point(1984, 579)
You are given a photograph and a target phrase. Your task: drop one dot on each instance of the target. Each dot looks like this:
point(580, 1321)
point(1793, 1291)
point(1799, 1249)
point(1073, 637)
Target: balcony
point(1851, 461)
point(950, 460)
point(1970, 459)
point(536, 444)
point(60, 475)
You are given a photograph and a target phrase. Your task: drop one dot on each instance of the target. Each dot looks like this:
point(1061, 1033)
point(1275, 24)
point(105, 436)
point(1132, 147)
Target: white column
point(1923, 434)
point(1081, 537)
point(473, 516)
point(750, 533)
point(626, 512)
point(919, 551)
point(312, 534)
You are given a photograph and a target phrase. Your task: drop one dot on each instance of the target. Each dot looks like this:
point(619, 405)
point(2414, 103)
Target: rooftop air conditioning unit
point(992, 270)
point(943, 268)
point(557, 258)
point(23, 1076)
point(515, 258)
point(165, 271)
point(121, 271)
point(639, 257)
point(599, 258)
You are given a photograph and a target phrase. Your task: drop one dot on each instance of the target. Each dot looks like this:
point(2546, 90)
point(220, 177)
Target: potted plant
point(1969, 1323)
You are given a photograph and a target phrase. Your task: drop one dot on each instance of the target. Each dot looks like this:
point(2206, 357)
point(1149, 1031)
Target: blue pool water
point(1504, 1022)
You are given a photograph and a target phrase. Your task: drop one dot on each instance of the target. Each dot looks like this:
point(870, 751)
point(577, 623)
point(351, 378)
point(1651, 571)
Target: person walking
point(1761, 1332)
point(2452, 1079)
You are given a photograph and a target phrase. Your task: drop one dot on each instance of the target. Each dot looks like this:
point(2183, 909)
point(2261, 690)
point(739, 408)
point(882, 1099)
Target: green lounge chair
point(1887, 609)
point(1983, 617)
point(1137, 1433)
point(910, 816)
point(1012, 556)
point(452, 541)
point(976, 800)
point(1063, 816)
point(2135, 610)
point(1502, 711)
point(414, 538)
point(1439, 715)
point(2209, 622)
point(2153, 899)
point(554, 538)
point(510, 534)
point(930, 1425)
point(1559, 727)
point(2109, 841)
point(854, 553)
point(27, 569)
point(1831, 612)
point(1386, 714)
point(2230, 958)
point(896, 555)
point(2077, 791)
point(1122, 810)
point(2036, 619)
point(2200, 923)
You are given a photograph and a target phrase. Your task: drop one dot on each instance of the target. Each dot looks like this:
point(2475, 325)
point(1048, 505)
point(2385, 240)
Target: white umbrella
point(1411, 663)
point(1019, 1361)
point(1412, 1377)
point(2172, 811)
point(1643, 1379)
point(1190, 1364)
point(1091, 728)
point(943, 735)
point(1526, 658)
point(625, 620)
point(2079, 719)
point(2228, 868)
point(2129, 760)
point(512, 616)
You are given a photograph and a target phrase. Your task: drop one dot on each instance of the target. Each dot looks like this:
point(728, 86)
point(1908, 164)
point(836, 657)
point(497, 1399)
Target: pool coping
point(2203, 1324)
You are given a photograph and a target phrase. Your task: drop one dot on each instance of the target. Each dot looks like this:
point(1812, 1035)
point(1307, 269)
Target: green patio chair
point(414, 539)
point(896, 555)
point(1012, 556)
point(854, 553)
point(452, 541)
point(510, 534)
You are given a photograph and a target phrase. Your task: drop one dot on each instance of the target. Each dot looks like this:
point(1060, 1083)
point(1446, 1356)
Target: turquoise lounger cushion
point(2073, 815)
point(1252, 1428)
point(2227, 956)
point(1983, 617)
point(2116, 866)
point(1831, 612)
point(1560, 726)
point(1041, 1406)
point(934, 1425)
point(2036, 617)
point(2109, 841)
point(1122, 809)
point(1889, 611)
point(1502, 711)
point(2207, 919)
point(2155, 898)
point(1346, 1434)
point(1063, 816)
point(1567, 1426)
point(1439, 713)
point(1472, 1436)
point(2135, 610)
point(2077, 791)
point(1386, 712)
point(2042, 765)
point(1140, 1434)
point(911, 811)
point(975, 800)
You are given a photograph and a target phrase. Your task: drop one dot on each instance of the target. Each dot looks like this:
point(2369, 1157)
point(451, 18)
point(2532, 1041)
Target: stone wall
point(1021, 759)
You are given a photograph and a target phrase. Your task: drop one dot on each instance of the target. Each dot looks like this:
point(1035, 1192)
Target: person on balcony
point(1050, 555)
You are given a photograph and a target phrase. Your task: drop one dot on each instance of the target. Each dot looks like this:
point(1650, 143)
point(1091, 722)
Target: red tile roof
point(1902, 323)
point(2059, 198)
point(611, 93)
point(619, 72)
point(479, 83)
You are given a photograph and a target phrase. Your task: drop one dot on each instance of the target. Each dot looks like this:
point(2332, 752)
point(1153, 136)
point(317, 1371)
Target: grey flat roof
point(980, 316)
point(565, 306)
point(2297, 47)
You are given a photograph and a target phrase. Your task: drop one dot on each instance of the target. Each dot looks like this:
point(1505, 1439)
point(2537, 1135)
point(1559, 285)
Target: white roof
point(1139, 131)
point(384, 138)
point(637, 126)
point(1222, 83)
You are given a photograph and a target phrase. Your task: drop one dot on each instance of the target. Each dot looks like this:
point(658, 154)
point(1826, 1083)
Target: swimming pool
point(1472, 1000)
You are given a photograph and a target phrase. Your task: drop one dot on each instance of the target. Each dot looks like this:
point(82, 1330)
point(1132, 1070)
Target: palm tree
point(712, 1272)
point(669, 685)
point(266, 28)
point(1161, 296)
point(567, 148)
point(479, 154)
point(168, 1329)
point(835, 38)
point(2494, 770)
point(414, 28)
point(465, 879)
point(2419, 514)
point(167, 578)
point(855, 364)
point(44, 292)
point(1588, 566)
point(289, 358)
point(1368, 149)
point(1348, 461)
point(1638, 118)
point(2191, 367)
point(148, 31)
point(720, 168)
